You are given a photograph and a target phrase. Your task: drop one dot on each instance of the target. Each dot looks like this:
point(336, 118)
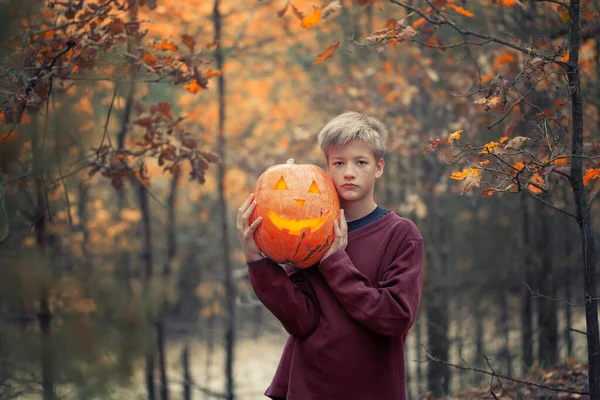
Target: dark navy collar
point(377, 213)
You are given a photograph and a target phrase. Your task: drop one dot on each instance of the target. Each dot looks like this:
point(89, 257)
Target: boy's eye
point(361, 162)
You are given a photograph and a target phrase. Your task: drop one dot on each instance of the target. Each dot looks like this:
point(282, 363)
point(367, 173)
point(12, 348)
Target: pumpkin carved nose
point(300, 202)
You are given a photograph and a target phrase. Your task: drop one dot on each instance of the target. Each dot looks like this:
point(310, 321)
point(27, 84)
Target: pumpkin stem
point(291, 161)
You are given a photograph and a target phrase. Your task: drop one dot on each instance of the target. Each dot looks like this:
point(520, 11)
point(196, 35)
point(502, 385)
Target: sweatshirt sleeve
point(287, 294)
point(390, 309)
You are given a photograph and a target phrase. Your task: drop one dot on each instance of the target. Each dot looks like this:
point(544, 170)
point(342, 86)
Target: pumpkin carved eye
point(280, 185)
point(314, 188)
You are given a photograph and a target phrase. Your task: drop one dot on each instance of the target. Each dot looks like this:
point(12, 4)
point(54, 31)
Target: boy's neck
point(357, 210)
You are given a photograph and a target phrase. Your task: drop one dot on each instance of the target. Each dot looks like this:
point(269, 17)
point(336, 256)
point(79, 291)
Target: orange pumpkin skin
point(298, 204)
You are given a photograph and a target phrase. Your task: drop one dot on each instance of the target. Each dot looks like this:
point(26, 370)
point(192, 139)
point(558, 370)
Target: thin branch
point(463, 31)
point(565, 5)
point(508, 378)
point(4, 215)
point(551, 205)
point(537, 294)
point(578, 331)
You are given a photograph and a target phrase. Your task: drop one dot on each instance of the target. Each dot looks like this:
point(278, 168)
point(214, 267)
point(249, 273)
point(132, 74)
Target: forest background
point(131, 131)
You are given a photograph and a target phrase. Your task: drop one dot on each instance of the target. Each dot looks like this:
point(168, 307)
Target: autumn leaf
point(165, 109)
point(489, 148)
point(282, 12)
point(590, 174)
point(418, 23)
point(116, 26)
point(454, 136)
point(311, 19)
point(193, 87)
point(327, 53)
point(461, 175)
point(539, 183)
point(516, 142)
point(461, 10)
point(149, 59)
point(561, 161)
point(297, 12)
point(487, 192)
point(518, 166)
point(589, 15)
point(212, 74)
point(188, 41)
point(472, 181)
point(165, 45)
point(1, 117)
point(331, 9)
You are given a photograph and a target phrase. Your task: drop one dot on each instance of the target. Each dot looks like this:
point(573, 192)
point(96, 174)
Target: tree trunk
point(44, 313)
point(582, 205)
point(146, 272)
point(418, 342)
point(210, 344)
point(161, 320)
point(230, 287)
point(526, 302)
point(567, 286)
point(505, 353)
point(479, 342)
point(187, 378)
point(438, 374)
point(162, 359)
point(546, 308)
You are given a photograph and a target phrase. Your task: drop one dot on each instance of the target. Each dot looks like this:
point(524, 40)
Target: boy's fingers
point(249, 210)
point(255, 224)
point(244, 206)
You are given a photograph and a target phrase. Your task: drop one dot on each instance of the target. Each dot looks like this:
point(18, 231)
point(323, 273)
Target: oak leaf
point(188, 41)
point(327, 53)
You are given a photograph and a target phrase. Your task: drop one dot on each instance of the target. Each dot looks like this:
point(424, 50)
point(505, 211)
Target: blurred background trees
point(129, 129)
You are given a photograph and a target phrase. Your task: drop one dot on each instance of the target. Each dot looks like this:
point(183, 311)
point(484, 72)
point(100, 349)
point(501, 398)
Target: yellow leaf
point(486, 162)
point(456, 135)
point(503, 139)
point(488, 148)
point(327, 53)
point(311, 20)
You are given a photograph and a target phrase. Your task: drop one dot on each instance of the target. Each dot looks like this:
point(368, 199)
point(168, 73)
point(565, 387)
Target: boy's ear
point(379, 168)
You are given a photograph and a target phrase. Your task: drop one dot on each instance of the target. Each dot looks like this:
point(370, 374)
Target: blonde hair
point(352, 125)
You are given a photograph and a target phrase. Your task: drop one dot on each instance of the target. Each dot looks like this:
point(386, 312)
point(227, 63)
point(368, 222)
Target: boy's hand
point(245, 232)
point(340, 240)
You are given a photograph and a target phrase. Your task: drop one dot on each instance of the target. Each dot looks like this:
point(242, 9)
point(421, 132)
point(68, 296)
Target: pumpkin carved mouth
point(296, 226)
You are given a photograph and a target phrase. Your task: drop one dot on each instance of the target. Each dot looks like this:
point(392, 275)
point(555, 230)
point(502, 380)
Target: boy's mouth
point(295, 226)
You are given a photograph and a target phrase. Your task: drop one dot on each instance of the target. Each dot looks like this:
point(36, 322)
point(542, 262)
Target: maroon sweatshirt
point(347, 316)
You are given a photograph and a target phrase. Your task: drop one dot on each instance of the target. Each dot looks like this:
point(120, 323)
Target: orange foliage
point(590, 174)
point(327, 53)
point(539, 183)
point(461, 10)
point(311, 20)
point(193, 87)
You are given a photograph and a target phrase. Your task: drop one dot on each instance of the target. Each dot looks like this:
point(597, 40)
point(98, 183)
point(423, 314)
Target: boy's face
point(353, 169)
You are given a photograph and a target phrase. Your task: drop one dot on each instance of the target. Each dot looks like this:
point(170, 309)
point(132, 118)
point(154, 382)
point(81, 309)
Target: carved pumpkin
point(298, 204)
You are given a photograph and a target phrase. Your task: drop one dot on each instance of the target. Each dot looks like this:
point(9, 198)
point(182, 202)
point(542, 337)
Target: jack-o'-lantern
point(298, 204)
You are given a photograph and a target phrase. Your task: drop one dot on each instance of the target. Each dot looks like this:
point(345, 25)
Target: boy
point(347, 316)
